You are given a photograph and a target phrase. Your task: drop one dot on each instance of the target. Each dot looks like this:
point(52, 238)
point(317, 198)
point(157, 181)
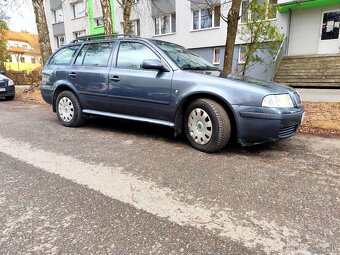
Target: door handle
point(115, 78)
point(73, 74)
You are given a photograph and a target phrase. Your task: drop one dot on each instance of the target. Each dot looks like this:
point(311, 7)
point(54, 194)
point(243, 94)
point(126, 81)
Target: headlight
point(282, 100)
point(10, 82)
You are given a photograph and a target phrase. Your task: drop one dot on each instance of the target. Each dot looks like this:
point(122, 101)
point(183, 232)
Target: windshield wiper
point(209, 68)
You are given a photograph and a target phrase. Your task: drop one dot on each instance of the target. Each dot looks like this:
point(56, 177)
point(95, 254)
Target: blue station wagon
point(164, 83)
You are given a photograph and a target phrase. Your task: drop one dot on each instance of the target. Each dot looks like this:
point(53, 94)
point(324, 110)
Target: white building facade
point(309, 26)
point(312, 26)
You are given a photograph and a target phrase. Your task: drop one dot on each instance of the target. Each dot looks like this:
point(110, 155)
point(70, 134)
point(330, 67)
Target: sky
point(21, 17)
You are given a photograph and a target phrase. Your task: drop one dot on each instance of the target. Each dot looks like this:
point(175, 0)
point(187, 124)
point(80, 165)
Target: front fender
point(184, 100)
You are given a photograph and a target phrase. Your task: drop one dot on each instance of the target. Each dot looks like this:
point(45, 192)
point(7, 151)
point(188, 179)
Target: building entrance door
point(329, 42)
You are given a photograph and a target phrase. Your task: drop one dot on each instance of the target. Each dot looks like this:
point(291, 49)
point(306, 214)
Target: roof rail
point(101, 37)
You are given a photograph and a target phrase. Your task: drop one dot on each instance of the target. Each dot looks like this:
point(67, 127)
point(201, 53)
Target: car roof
point(104, 38)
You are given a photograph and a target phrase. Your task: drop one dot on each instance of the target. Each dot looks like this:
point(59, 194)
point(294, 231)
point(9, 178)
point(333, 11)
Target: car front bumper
point(8, 92)
point(260, 124)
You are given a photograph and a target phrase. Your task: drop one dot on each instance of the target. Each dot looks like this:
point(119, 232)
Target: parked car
point(7, 88)
point(164, 83)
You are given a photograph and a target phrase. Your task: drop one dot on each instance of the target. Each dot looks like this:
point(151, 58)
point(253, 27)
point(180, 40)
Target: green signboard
point(304, 4)
point(94, 29)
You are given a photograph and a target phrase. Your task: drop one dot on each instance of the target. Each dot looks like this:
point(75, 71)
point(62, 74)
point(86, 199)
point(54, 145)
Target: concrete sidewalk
point(319, 95)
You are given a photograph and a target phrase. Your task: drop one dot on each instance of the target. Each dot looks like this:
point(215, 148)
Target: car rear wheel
point(69, 110)
point(207, 125)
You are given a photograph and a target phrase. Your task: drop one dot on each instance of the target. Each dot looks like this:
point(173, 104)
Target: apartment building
point(306, 25)
point(190, 23)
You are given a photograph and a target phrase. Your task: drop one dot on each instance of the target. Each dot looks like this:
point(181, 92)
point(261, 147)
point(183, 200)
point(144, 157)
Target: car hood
point(243, 82)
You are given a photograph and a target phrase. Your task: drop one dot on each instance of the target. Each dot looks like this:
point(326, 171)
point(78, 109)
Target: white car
point(7, 88)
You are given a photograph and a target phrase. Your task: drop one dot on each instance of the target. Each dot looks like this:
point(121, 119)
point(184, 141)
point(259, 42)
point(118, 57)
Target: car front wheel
point(207, 125)
point(69, 109)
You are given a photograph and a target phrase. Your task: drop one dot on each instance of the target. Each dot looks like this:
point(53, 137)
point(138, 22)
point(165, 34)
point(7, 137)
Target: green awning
point(304, 4)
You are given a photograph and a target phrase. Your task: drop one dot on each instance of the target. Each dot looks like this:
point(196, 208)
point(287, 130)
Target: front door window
point(132, 54)
point(330, 26)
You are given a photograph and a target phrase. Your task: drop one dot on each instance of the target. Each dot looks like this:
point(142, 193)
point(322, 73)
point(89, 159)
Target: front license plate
point(302, 119)
point(2, 89)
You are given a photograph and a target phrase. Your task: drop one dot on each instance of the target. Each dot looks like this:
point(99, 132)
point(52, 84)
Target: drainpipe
point(288, 30)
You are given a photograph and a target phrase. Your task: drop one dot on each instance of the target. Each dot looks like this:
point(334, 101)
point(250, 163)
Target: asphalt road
point(115, 187)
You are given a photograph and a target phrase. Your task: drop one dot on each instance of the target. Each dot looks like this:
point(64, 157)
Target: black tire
point(9, 98)
point(75, 110)
point(219, 120)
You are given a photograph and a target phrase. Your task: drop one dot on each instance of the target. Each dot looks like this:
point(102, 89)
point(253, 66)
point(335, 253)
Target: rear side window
point(64, 56)
point(97, 54)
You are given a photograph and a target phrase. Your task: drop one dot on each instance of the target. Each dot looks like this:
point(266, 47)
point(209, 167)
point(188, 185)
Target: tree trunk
point(44, 38)
point(107, 16)
point(126, 16)
point(233, 17)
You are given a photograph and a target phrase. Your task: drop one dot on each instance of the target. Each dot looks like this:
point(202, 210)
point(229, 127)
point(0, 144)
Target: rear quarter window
point(64, 56)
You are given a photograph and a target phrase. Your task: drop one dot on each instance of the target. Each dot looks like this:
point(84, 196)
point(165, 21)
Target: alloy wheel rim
point(66, 109)
point(200, 126)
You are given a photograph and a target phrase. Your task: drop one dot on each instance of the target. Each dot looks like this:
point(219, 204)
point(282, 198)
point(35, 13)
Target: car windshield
point(185, 59)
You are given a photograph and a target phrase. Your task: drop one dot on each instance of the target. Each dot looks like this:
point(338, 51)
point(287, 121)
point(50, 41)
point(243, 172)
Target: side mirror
point(154, 64)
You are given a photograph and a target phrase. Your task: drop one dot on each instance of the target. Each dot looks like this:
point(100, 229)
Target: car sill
point(128, 117)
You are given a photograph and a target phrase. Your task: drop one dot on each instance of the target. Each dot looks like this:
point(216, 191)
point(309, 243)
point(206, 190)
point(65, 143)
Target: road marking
point(162, 202)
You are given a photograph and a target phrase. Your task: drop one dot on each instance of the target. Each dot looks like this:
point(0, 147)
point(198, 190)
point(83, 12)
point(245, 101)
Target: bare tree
point(127, 7)
point(3, 49)
point(260, 34)
point(232, 21)
point(107, 16)
point(44, 39)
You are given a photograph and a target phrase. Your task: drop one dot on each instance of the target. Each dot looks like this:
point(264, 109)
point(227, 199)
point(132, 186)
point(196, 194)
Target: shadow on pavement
point(165, 134)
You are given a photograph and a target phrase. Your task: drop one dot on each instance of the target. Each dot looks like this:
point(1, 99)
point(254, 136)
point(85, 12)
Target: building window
point(78, 10)
point(165, 24)
point(134, 27)
point(24, 46)
point(22, 59)
point(60, 40)
point(206, 18)
point(99, 22)
point(33, 60)
point(272, 9)
point(216, 59)
point(133, 2)
point(58, 16)
point(242, 54)
point(246, 13)
point(10, 59)
point(79, 34)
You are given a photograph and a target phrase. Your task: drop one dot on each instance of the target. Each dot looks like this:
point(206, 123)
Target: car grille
point(285, 132)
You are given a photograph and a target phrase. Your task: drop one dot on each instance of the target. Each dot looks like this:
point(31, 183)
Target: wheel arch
point(184, 103)
point(60, 88)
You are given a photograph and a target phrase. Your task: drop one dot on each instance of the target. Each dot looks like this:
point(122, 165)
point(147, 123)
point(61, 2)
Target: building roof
point(29, 38)
point(304, 4)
